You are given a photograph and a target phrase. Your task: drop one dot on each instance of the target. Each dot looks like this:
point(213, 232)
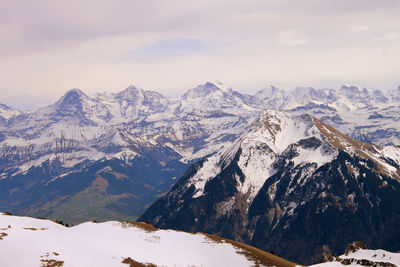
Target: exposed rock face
point(328, 258)
point(354, 246)
point(291, 184)
point(357, 254)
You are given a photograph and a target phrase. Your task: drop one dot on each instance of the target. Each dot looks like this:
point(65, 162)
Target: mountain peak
point(131, 92)
point(72, 96)
point(221, 86)
point(8, 112)
point(206, 89)
point(75, 91)
point(352, 89)
point(71, 103)
point(4, 107)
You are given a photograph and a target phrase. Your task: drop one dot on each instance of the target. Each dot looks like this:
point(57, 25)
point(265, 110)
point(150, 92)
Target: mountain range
point(111, 155)
point(291, 184)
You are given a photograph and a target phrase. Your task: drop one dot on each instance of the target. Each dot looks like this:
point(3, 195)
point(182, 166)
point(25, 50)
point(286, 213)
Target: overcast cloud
point(47, 47)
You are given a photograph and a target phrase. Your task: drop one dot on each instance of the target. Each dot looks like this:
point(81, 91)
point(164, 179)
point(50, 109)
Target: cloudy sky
point(47, 47)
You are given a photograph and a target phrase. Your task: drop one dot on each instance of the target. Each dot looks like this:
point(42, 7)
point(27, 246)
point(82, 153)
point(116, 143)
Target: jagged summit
point(7, 112)
point(73, 97)
point(206, 89)
point(72, 102)
point(131, 92)
point(74, 92)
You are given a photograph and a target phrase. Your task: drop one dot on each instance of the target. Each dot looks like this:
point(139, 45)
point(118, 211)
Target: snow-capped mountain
point(153, 138)
point(291, 184)
point(7, 112)
point(27, 241)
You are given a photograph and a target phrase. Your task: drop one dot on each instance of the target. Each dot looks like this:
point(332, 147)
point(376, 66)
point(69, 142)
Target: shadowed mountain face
point(291, 184)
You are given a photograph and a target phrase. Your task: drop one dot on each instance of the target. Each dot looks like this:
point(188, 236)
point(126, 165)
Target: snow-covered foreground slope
point(26, 241)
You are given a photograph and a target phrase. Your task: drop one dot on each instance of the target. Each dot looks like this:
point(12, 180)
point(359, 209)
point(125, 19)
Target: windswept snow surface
point(27, 241)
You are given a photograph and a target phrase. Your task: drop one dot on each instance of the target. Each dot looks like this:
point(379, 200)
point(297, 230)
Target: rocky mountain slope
point(291, 184)
point(136, 143)
point(26, 241)
point(357, 254)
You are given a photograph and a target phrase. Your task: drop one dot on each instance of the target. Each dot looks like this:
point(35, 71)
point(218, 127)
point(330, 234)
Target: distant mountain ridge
point(84, 135)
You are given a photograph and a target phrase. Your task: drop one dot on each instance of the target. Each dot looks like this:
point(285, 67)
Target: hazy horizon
point(34, 102)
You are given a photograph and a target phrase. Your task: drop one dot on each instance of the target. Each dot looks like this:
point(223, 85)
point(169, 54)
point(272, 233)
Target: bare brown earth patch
point(258, 256)
point(272, 127)
point(142, 225)
point(34, 229)
point(100, 184)
point(119, 175)
point(2, 235)
point(132, 263)
point(51, 262)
